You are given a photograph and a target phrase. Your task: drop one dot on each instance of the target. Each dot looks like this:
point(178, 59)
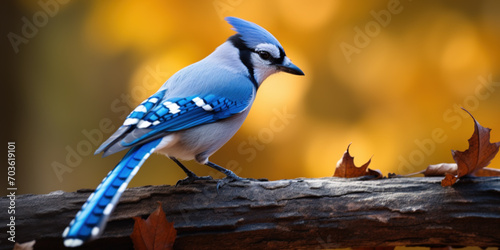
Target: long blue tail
point(90, 221)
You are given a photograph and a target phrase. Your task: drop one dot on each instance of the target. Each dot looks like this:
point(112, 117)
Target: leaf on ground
point(476, 157)
point(346, 168)
point(153, 233)
point(440, 169)
point(25, 246)
point(374, 172)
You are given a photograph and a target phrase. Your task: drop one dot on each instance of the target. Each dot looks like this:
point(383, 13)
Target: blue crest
point(251, 33)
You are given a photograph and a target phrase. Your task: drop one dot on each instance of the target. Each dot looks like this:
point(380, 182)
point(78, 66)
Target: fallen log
point(284, 214)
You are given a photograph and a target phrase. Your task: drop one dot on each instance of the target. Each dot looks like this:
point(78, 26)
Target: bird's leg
point(191, 177)
point(230, 176)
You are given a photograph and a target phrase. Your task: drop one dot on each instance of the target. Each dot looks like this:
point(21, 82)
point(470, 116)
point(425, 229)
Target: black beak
point(290, 68)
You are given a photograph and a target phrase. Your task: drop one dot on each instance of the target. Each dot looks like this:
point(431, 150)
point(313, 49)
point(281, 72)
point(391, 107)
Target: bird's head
point(259, 50)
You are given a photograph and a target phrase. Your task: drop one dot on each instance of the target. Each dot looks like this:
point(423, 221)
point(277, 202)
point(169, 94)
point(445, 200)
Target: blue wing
point(154, 119)
point(139, 112)
point(198, 94)
point(183, 113)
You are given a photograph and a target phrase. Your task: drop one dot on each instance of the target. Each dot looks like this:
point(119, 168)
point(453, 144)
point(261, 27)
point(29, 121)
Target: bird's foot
point(192, 178)
point(232, 178)
point(228, 179)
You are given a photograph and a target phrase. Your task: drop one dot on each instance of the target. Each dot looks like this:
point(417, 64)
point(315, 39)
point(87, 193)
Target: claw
point(229, 179)
point(230, 176)
point(223, 181)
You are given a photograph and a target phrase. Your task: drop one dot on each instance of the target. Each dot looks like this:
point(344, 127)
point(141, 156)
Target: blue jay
point(191, 116)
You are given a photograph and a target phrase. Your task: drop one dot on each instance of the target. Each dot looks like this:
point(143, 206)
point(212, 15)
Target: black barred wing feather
point(153, 119)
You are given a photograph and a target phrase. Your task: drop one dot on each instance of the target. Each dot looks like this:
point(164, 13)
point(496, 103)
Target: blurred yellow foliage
point(95, 60)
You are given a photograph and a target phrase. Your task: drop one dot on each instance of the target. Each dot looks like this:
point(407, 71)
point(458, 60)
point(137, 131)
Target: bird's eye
point(264, 55)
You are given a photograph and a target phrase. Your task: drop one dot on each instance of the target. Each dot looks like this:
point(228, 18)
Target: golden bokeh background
point(387, 76)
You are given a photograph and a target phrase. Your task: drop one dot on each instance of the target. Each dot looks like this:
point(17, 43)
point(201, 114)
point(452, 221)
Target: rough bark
point(285, 214)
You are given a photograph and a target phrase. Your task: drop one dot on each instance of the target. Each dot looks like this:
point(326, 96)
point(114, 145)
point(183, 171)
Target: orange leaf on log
point(154, 233)
point(476, 157)
point(346, 168)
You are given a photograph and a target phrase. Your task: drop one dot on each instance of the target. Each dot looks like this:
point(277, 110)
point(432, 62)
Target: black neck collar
point(245, 54)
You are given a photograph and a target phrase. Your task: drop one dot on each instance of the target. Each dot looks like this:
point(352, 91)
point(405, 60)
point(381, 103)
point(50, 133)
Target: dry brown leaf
point(487, 172)
point(153, 233)
point(441, 169)
point(346, 168)
point(477, 156)
point(25, 246)
point(449, 179)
